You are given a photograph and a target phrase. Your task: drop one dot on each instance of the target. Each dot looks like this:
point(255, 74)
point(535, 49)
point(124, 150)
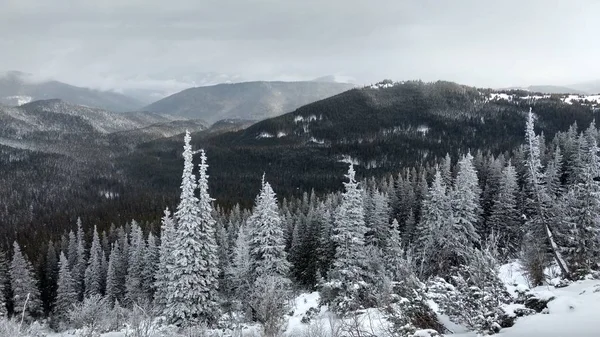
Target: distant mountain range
point(247, 100)
point(584, 88)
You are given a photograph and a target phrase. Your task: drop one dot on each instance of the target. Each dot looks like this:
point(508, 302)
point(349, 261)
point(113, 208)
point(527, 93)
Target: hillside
point(382, 130)
point(248, 100)
point(18, 88)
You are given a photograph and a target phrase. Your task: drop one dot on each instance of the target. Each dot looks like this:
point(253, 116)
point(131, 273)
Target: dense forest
point(437, 230)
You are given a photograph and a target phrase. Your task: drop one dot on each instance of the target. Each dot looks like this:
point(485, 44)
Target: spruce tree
point(4, 285)
point(540, 231)
point(115, 286)
point(192, 296)
point(466, 209)
point(134, 291)
point(163, 276)
point(267, 245)
point(241, 268)
point(93, 273)
point(434, 244)
point(151, 261)
point(504, 219)
point(26, 295)
point(66, 293)
point(347, 278)
point(80, 261)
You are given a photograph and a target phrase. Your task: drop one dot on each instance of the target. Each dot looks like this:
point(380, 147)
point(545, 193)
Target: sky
point(174, 44)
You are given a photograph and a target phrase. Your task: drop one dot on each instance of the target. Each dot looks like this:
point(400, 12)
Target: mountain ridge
point(253, 100)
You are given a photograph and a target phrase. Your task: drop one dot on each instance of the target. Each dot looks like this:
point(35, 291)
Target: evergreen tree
point(347, 278)
point(192, 296)
point(378, 222)
point(163, 277)
point(72, 250)
point(66, 293)
point(93, 274)
point(26, 295)
point(504, 219)
point(115, 286)
point(240, 271)
point(151, 261)
point(134, 291)
point(267, 246)
point(538, 221)
point(4, 285)
point(50, 274)
point(436, 248)
point(466, 209)
point(80, 261)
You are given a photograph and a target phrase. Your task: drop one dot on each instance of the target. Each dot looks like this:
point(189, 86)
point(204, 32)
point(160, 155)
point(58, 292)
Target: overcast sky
point(114, 44)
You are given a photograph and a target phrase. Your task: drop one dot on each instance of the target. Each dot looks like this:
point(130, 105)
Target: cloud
point(122, 44)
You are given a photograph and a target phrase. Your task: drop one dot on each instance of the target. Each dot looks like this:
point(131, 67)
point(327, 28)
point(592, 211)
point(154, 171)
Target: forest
point(436, 231)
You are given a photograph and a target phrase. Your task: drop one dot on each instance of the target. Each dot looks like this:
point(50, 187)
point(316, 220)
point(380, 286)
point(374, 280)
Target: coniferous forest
point(438, 231)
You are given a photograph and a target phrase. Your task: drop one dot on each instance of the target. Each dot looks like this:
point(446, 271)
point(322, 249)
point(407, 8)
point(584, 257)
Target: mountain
point(247, 100)
point(382, 129)
point(553, 89)
point(550, 89)
point(55, 177)
point(18, 88)
point(590, 87)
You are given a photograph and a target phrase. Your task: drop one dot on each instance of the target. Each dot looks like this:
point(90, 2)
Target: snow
point(302, 304)
point(281, 134)
point(512, 276)
point(423, 129)
point(594, 99)
point(264, 135)
point(499, 96)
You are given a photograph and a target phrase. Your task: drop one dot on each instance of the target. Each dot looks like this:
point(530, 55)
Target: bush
point(91, 316)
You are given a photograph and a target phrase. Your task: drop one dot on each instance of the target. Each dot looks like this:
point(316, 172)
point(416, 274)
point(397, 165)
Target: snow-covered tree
point(504, 218)
point(378, 221)
point(66, 293)
point(94, 275)
point(115, 285)
point(134, 291)
point(240, 271)
point(434, 250)
point(165, 263)
point(347, 278)
point(192, 296)
point(464, 199)
point(26, 295)
point(80, 261)
point(4, 283)
point(267, 245)
point(151, 261)
point(538, 222)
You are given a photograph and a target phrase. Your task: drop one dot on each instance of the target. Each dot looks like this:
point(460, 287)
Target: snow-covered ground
point(574, 311)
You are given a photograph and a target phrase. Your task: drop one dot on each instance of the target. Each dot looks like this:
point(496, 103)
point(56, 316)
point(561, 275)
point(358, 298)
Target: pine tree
point(192, 296)
point(435, 246)
point(115, 285)
point(241, 268)
point(347, 278)
point(538, 224)
point(80, 261)
point(378, 222)
point(504, 218)
point(134, 291)
point(24, 285)
point(50, 274)
point(72, 250)
point(466, 209)
point(584, 209)
point(66, 294)
point(267, 246)
point(4, 285)
point(151, 261)
point(93, 273)
point(163, 277)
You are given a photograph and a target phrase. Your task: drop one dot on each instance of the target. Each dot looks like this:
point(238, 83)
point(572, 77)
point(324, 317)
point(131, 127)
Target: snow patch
point(264, 135)
point(281, 134)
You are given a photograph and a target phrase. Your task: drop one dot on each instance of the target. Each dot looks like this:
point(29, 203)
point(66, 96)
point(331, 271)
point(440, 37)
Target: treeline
point(376, 244)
